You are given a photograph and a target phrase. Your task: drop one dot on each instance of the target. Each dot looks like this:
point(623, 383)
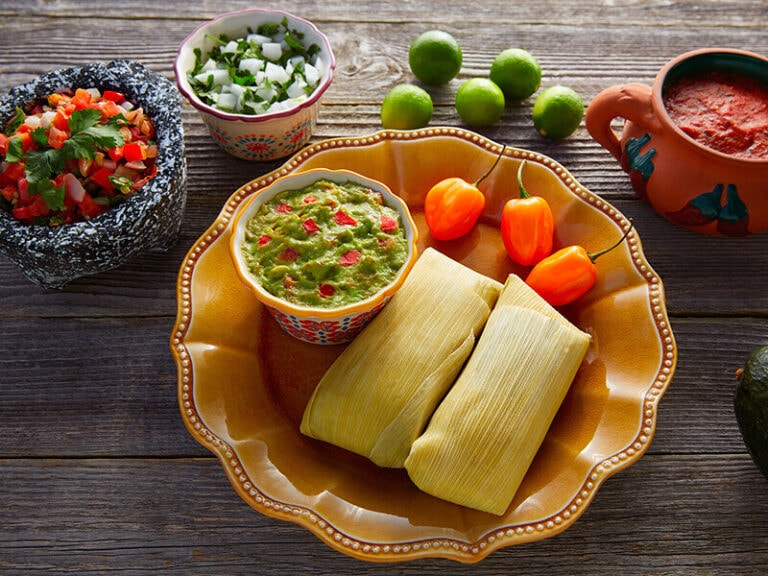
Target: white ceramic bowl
point(320, 325)
point(256, 137)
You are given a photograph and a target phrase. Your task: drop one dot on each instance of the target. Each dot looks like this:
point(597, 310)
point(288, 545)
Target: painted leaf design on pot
point(638, 165)
point(732, 217)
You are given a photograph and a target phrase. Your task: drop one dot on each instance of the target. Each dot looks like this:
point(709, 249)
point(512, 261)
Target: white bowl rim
point(186, 90)
point(284, 183)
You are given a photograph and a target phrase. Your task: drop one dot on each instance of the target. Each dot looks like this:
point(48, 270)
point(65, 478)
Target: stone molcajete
point(695, 143)
point(52, 256)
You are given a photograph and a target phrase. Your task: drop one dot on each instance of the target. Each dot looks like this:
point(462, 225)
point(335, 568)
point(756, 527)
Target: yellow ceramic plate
point(243, 383)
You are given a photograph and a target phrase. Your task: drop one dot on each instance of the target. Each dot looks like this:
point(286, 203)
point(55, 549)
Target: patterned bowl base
point(325, 331)
point(262, 147)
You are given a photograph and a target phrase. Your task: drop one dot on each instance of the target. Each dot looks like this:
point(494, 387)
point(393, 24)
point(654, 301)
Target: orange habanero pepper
point(527, 226)
point(452, 206)
point(568, 274)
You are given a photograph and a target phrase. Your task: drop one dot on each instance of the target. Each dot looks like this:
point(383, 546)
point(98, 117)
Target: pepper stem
point(596, 255)
point(484, 176)
point(523, 191)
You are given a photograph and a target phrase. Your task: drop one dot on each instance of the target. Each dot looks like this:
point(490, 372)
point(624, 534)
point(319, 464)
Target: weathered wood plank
point(671, 515)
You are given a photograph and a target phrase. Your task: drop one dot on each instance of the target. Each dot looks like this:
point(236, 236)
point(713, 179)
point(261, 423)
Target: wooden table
point(97, 472)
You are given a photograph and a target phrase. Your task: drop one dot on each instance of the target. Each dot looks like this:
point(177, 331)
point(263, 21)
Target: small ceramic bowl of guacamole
point(324, 251)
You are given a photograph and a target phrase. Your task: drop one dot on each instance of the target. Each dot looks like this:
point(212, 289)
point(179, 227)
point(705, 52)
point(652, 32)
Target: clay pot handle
point(632, 102)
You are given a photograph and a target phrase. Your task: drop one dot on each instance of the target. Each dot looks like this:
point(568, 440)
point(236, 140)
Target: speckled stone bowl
point(52, 256)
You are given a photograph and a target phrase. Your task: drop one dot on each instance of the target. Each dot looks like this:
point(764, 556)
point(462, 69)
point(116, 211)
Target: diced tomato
point(101, 177)
point(310, 226)
point(89, 207)
point(82, 99)
point(56, 137)
point(108, 109)
point(288, 255)
point(113, 96)
point(116, 153)
point(326, 290)
point(264, 239)
point(309, 199)
point(23, 187)
point(57, 98)
point(61, 120)
point(23, 213)
point(3, 143)
point(38, 207)
point(26, 139)
point(283, 208)
point(349, 258)
point(133, 152)
point(344, 219)
point(9, 192)
point(12, 173)
point(388, 224)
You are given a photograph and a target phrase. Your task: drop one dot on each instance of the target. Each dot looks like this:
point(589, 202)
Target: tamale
point(378, 395)
point(485, 433)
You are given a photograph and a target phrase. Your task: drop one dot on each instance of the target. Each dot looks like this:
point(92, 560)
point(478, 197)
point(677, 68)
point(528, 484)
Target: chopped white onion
point(258, 38)
point(276, 73)
point(296, 90)
point(46, 118)
point(220, 76)
point(251, 65)
point(272, 50)
point(312, 74)
point(227, 101)
point(33, 121)
point(230, 48)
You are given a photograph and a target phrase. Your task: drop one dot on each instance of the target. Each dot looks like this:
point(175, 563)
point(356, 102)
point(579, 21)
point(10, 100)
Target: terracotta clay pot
point(689, 184)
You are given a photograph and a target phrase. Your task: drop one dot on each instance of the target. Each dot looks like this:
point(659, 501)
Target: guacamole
point(325, 246)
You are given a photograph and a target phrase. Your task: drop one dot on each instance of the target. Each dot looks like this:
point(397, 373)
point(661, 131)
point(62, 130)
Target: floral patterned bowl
point(320, 325)
point(267, 136)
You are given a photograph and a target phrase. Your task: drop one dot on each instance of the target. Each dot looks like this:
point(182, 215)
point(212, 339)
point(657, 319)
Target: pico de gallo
point(73, 155)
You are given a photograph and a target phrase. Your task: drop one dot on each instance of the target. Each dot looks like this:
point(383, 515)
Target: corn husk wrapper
point(485, 433)
point(377, 397)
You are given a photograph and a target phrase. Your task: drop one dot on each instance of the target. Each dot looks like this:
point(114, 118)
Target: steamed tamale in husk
point(379, 394)
point(485, 433)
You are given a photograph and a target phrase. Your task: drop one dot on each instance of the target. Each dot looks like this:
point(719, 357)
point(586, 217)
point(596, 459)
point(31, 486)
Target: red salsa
point(722, 111)
point(73, 155)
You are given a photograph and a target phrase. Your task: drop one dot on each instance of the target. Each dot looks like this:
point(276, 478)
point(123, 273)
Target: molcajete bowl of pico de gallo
point(93, 170)
point(695, 143)
point(324, 251)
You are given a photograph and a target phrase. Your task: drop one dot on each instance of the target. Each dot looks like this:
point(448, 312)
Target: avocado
point(751, 405)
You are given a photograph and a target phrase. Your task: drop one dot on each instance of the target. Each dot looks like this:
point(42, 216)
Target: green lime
point(517, 73)
point(557, 112)
point(435, 57)
point(479, 102)
point(406, 107)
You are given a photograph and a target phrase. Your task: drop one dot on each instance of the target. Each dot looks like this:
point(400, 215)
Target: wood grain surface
point(97, 472)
